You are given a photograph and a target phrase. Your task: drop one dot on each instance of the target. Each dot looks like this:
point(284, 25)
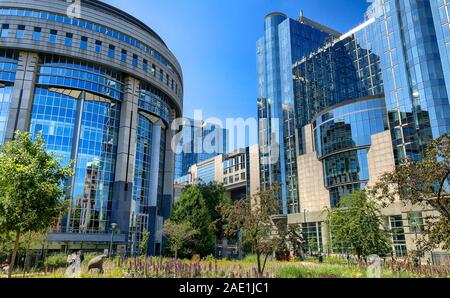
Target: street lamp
point(113, 229)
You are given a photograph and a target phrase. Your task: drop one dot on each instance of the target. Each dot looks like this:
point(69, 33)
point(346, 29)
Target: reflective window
point(53, 36)
point(5, 102)
point(68, 72)
point(37, 33)
point(83, 43)
point(111, 51)
point(95, 166)
point(398, 236)
point(206, 173)
point(134, 62)
point(55, 115)
point(4, 32)
point(8, 65)
point(98, 46)
point(141, 191)
point(20, 33)
point(349, 126)
point(312, 232)
point(69, 39)
point(154, 101)
point(123, 56)
point(345, 168)
point(145, 65)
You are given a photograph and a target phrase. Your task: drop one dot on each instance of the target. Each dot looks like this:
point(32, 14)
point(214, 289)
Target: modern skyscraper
point(199, 141)
point(363, 101)
point(414, 58)
point(102, 89)
point(285, 41)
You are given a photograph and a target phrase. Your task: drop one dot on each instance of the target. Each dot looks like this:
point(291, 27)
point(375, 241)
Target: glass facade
point(83, 127)
point(414, 76)
point(349, 126)
point(96, 115)
point(108, 32)
point(66, 72)
point(199, 142)
point(342, 139)
point(8, 67)
point(285, 41)
point(154, 101)
point(206, 173)
point(140, 204)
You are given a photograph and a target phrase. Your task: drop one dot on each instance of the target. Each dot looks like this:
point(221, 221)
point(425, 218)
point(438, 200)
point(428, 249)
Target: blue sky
point(214, 40)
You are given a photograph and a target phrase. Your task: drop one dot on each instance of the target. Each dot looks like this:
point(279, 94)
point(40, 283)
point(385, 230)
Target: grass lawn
point(169, 268)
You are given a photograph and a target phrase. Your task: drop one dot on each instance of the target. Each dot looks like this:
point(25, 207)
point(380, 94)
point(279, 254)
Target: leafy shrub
point(56, 261)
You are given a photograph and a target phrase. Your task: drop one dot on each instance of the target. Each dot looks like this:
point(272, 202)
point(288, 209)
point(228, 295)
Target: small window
point(84, 43)
point(123, 57)
point(161, 75)
point(5, 30)
point(167, 79)
point(111, 51)
point(145, 65)
point(20, 31)
point(172, 84)
point(134, 62)
point(53, 37)
point(37, 33)
point(154, 70)
point(69, 39)
point(98, 46)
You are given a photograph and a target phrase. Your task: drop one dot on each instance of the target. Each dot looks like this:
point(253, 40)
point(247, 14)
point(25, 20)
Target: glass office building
point(199, 141)
point(366, 100)
point(413, 36)
point(102, 90)
point(285, 41)
point(339, 90)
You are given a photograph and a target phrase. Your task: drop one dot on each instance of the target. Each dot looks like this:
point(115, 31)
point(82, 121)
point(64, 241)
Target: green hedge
point(56, 261)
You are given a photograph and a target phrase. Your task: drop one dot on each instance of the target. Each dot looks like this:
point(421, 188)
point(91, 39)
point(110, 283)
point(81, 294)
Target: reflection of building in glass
point(102, 90)
point(199, 141)
point(362, 102)
point(285, 41)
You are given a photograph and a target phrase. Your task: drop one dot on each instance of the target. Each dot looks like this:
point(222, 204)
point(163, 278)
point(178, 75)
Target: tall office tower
point(339, 106)
point(285, 41)
point(199, 141)
point(102, 88)
point(414, 38)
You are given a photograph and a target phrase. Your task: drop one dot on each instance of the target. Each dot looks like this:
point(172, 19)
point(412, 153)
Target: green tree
point(357, 224)
point(214, 195)
point(252, 217)
point(191, 207)
point(423, 183)
point(178, 235)
point(30, 188)
point(143, 246)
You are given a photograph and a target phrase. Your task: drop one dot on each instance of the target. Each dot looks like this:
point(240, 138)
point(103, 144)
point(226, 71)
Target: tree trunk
point(176, 255)
point(27, 249)
point(264, 266)
point(258, 258)
point(14, 254)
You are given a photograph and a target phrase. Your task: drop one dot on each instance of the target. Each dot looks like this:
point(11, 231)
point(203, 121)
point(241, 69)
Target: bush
point(56, 261)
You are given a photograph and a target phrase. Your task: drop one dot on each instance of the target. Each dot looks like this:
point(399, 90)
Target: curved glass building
point(102, 88)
